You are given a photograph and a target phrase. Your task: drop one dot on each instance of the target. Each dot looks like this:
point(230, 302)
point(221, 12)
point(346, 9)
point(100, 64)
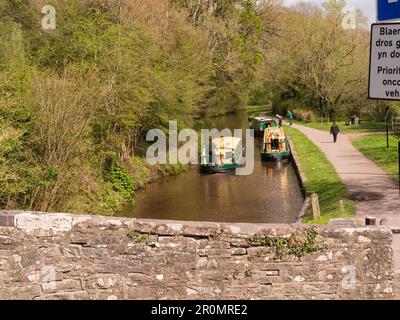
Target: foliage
point(238, 29)
point(118, 176)
point(304, 115)
point(317, 65)
point(297, 244)
point(110, 71)
point(256, 110)
point(138, 237)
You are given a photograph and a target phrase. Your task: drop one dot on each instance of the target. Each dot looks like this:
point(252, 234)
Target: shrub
point(118, 176)
point(304, 115)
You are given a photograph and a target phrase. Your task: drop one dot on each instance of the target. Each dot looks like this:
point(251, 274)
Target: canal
point(270, 195)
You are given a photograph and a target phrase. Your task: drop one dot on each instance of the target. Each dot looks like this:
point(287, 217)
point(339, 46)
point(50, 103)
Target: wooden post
point(315, 206)
point(342, 210)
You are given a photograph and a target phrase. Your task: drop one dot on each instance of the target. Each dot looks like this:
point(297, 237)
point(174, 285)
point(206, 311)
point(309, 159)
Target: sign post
point(384, 75)
point(384, 69)
point(388, 10)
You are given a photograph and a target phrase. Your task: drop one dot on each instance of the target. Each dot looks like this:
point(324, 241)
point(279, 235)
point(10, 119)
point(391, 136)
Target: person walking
point(290, 117)
point(280, 118)
point(262, 126)
point(335, 131)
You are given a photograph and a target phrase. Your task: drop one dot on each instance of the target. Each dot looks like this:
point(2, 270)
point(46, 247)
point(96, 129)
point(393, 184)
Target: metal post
point(387, 135)
point(387, 126)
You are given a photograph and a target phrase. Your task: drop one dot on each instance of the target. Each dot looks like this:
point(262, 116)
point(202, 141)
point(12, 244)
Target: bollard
point(315, 206)
point(342, 209)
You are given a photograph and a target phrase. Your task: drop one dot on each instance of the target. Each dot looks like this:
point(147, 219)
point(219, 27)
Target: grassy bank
point(374, 148)
point(321, 179)
point(255, 110)
point(366, 126)
point(108, 194)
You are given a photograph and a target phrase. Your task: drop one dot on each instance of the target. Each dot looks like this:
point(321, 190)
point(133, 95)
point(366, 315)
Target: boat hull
point(258, 133)
point(275, 156)
point(210, 169)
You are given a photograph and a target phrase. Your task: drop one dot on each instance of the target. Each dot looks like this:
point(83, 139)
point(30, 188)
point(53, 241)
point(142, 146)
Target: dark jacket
point(335, 129)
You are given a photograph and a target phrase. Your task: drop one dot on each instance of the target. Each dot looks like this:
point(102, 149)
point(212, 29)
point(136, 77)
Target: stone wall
point(63, 256)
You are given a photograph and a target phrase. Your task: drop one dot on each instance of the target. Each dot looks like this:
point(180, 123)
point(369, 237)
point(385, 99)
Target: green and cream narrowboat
point(260, 123)
point(225, 155)
point(275, 145)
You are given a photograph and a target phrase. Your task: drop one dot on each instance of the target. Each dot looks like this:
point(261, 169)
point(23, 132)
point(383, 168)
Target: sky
point(367, 6)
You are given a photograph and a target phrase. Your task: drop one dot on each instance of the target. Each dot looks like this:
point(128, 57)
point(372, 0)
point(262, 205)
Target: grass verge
point(321, 179)
point(365, 126)
point(374, 148)
point(255, 110)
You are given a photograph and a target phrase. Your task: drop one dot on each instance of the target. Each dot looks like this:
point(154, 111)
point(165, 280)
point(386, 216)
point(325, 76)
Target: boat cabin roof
point(275, 132)
point(265, 119)
point(226, 143)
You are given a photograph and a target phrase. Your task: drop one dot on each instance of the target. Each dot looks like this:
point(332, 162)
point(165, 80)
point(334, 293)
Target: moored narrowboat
point(225, 155)
point(275, 145)
point(260, 123)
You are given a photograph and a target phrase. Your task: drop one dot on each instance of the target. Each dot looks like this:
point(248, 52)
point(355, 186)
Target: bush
point(304, 115)
point(118, 176)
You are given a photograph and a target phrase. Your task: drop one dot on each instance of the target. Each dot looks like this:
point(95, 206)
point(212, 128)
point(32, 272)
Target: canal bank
point(301, 177)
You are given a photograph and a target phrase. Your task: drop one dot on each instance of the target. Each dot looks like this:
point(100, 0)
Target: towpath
point(374, 191)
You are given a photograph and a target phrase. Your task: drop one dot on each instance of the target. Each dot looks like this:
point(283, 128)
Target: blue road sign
point(388, 10)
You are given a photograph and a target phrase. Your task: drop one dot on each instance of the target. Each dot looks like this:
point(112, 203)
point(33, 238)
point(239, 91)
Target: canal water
point(270, 195)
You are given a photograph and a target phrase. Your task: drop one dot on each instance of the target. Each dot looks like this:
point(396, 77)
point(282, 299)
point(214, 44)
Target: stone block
point(239, 252)
point(142, 293)
point(74, 295)
point(65, 285)
point(7, 220)
point(20, 292)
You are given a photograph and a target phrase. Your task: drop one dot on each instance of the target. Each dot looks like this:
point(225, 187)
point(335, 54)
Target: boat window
point(228, 155)
point(275, 143)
